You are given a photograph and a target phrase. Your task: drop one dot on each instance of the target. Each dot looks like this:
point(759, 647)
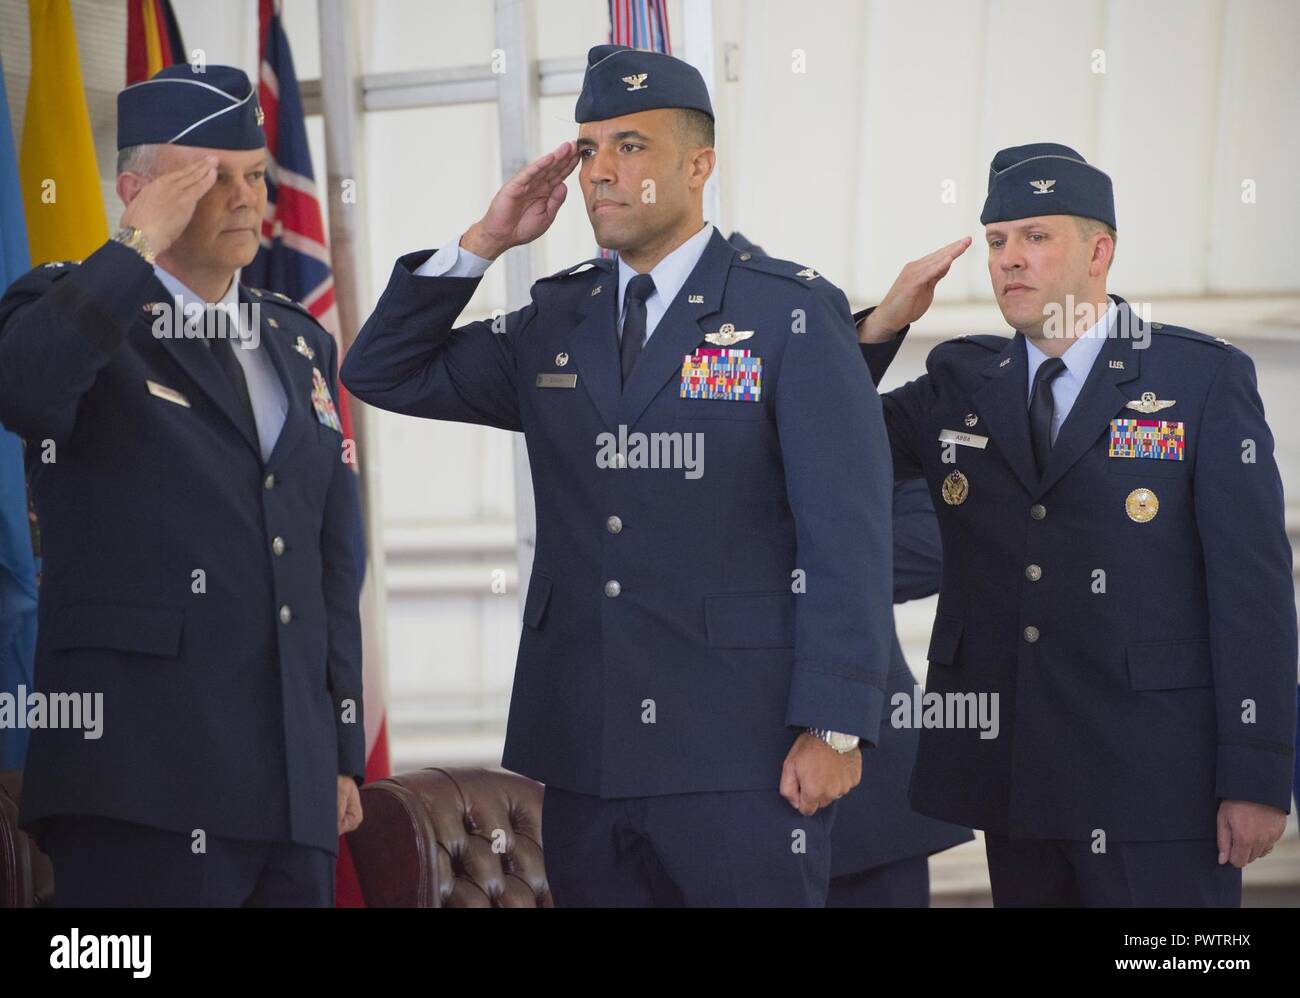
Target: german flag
point(153, 39)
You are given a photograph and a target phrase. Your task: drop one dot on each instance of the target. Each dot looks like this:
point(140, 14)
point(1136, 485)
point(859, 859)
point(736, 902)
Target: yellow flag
point(60, 178)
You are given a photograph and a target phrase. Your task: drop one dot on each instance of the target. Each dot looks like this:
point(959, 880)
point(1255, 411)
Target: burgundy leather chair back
point(451, 838)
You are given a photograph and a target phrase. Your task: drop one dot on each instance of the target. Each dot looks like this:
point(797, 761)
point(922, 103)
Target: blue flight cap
point(215, 108)
point(621, 80)
point(1046, 179)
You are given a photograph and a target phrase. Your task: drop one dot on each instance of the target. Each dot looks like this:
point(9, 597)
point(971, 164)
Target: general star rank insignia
point(1141, 505)
point(956, 488)
point(727, 335)
point(1149, 403)
point(322, 402)
point(730, 375)
point(1164, 441)
point(302, 347)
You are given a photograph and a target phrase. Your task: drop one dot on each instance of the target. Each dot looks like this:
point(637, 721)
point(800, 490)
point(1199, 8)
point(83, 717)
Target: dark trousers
point(904, 883)
point(719, 849)
point(1059, 873)
point(106, 863)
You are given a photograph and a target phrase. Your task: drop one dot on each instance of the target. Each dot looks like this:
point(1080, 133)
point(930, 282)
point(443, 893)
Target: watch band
point(133, 238)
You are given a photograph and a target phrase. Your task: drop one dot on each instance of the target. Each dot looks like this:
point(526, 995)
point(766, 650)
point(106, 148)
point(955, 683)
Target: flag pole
point(340, 88)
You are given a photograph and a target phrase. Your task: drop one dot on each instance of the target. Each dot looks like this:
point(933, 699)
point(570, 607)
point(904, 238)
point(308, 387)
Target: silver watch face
point(841, 742)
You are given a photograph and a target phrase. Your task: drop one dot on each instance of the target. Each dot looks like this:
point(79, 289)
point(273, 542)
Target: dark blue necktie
point(1042, 409)
point(638, 290)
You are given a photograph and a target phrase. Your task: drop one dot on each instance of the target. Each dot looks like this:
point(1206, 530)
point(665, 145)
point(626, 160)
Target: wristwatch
point(134, 239)
point(840, 742)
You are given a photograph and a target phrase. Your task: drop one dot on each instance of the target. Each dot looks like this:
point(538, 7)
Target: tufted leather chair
point(451, 838)
point(26, 878)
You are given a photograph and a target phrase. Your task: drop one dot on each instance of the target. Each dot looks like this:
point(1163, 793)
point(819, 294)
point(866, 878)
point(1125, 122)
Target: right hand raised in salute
point(163, 207)
point(525, 207)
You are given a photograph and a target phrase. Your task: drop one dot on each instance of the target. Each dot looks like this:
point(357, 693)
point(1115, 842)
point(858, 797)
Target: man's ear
point(129, 185)
point(702, 164)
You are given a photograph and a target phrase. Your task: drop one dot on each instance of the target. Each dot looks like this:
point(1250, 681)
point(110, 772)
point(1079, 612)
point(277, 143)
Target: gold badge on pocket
point(1142, 505)
point(956, 487)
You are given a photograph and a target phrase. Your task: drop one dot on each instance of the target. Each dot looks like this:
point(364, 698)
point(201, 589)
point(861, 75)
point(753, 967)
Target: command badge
point(1142, 505)
point(955, 488)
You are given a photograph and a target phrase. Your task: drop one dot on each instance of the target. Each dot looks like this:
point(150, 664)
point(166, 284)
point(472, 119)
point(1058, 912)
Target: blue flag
point(17, 565)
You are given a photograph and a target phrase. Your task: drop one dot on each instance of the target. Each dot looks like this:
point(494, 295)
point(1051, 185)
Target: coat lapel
point(295, 371)
point(1099, 400)
point(594, 346)
point(195, 358)
point(679, 331)
point(1002, 401)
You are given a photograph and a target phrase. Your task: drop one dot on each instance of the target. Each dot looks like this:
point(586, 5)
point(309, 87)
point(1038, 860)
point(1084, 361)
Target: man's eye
point(630, 145)
point(1037, 236)
point(995, 243)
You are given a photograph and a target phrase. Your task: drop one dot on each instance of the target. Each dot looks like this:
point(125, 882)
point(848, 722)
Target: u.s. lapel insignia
point(302, 347)
point(561, 359)
point(971, 419)
point(1005, 361)
point(1149, 403)
point(1141, 505)
point(695, 299)
point(321, 401)
point(272, 323)
point(956, 487)
point(807, 274)
point(728, 334)
point(636, 81)
point(1116, 365)
point(596, 290)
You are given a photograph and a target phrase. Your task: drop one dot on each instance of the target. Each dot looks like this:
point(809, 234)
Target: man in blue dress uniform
point(201, 571)
point(707, 627)
point(1115, 569)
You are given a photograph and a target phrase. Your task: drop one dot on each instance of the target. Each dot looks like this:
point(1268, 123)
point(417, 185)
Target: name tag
point(557, 381)
point(963, 438)
point(170, 394)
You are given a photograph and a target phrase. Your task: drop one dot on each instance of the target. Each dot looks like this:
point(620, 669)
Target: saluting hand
point(815, 775)
point(163, 207)
point(525, 207)
point(910, 295)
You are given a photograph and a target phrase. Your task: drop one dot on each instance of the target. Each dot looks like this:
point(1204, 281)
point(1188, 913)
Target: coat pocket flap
point(944, 639)
point(1170, 665)
point(147, 630)
point(750, 620)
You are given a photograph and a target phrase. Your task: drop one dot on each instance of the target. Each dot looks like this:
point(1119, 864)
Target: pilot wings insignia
point(728, 334)
point(1149, 403)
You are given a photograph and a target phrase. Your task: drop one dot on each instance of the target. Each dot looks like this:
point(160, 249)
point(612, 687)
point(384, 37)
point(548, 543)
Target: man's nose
point(601, 169)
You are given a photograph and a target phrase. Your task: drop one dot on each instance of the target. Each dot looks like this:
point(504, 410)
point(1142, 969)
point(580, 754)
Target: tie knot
point(640, 287)
point(1048, 371)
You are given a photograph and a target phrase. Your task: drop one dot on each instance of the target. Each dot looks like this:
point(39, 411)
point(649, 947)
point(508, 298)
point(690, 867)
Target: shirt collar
point(671, 272)
point(178, 289)
point(1081, 354)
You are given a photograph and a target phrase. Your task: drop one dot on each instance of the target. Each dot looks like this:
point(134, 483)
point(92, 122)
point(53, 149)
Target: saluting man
point(198, 521)
point(1115, 567)
point(708, 624)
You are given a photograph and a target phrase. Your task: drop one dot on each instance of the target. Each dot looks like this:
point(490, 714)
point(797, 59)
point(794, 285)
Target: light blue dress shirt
point(265, 390)
point(669, 274)
point(1079, 358)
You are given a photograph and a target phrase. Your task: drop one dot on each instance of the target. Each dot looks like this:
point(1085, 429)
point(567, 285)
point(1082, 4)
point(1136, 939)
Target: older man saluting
point(198, 524)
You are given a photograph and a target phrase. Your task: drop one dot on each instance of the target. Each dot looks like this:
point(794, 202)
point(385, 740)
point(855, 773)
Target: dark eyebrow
point(585, 143)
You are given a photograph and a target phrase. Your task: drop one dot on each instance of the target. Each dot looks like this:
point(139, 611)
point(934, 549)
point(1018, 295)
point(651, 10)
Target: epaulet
point(989, 341)
point(276, 298)
point(596, 263)
point(58, 265)
point(1191, 334)
point(788, 269)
